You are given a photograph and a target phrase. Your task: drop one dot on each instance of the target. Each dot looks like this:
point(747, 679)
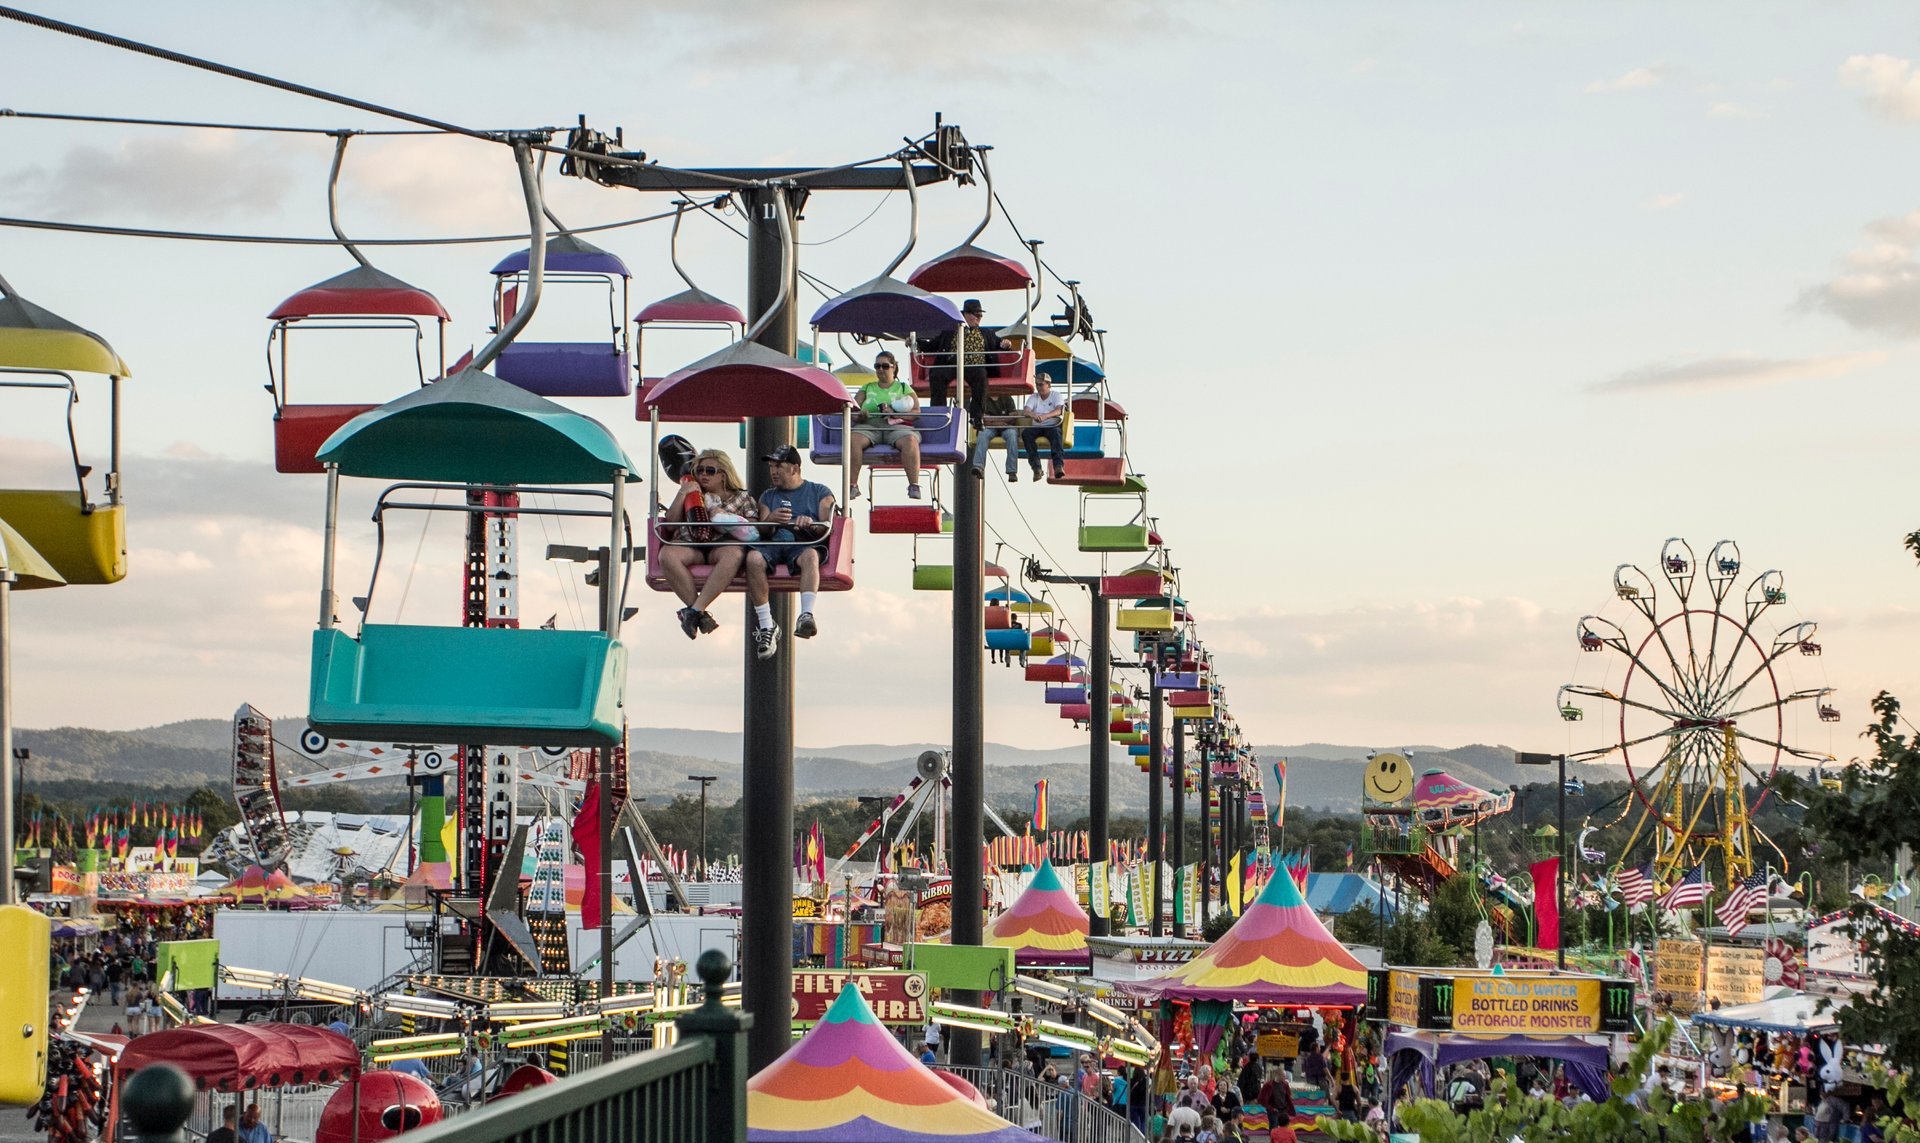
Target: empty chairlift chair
point(361, 300)
point(365, 300)
point(535, 687)
point(692, 309)
point(592, 368)
point(83, 540)
point(1131, 533)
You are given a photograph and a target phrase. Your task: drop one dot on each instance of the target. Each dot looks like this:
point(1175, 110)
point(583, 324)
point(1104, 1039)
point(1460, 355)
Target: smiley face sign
point(1388, 780)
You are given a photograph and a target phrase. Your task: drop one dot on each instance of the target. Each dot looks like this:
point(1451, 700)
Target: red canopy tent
point(240, 1057)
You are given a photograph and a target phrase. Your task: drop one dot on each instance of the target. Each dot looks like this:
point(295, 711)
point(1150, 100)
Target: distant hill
point(1320, 775)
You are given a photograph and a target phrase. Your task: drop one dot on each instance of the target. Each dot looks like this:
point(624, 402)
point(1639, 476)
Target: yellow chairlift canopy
point(33, 337)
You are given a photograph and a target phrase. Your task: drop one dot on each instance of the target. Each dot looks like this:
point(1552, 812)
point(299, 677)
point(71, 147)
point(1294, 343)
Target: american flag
point(1689, 890)
point(1636, 885)
point(1741, 901)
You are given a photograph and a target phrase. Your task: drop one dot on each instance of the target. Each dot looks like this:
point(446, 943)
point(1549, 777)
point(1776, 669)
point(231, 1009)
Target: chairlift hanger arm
point(946, 147)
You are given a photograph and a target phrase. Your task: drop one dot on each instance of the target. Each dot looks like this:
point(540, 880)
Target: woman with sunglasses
point(727, 509)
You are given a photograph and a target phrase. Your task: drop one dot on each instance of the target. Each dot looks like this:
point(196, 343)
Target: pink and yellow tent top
point(1278, 953)
point(256, 884)
point(1441, 799)
point(849, 1081)
point(1046, 928)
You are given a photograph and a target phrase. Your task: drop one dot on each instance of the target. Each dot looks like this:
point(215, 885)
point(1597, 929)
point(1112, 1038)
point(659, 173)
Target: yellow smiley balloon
point(1388, 780)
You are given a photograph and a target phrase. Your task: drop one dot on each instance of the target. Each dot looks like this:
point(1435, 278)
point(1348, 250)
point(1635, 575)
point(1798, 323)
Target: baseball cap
point(973, 306)
point(785, 454)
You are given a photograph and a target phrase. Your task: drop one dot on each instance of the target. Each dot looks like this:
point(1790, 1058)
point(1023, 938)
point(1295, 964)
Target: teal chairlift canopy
point(474, 428)
point(507, 686)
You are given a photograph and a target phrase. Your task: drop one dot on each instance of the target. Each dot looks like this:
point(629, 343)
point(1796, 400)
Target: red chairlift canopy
point(970, 270)
point(241, 1057)
point(747, 379)
point(694, 305)
point(362, 290)
point(1090, 408)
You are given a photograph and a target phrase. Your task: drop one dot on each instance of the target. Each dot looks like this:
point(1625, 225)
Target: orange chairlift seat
point(362, 299)
point(748, 379)
point(84, 541)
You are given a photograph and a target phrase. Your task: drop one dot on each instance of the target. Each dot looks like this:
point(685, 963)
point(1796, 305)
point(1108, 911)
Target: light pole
point(1560, 843)
point(705, 780)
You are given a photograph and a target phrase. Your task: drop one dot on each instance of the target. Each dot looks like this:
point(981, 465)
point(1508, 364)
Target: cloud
point(811, 39)
point(1635, 80)
point(1736, 371)
point(1887, 85)
point(197, 178)
point(1665, 201)
point(1878, 285)
point(1728, 110)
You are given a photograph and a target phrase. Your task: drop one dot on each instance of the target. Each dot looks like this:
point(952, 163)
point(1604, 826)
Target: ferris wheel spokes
point(1603, 693)
point(1599, 752)
point(1797, 752)
point(1677, 564)
point(1781, 701)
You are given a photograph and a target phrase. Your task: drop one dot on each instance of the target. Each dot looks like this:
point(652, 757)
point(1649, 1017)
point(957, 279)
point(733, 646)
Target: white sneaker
point(766, 642)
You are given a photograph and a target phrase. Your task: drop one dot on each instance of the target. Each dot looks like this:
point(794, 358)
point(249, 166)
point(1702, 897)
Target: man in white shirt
point(1046, 409)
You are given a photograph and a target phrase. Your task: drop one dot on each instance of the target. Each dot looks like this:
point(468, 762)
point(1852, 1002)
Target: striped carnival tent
point(1046, 928)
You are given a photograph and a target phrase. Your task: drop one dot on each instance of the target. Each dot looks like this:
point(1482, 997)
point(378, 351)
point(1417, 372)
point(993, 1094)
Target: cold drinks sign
point(1510, 1004)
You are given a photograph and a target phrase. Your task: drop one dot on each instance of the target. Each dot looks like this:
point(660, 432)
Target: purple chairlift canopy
point(692, 305)
point(886, 306)
point(362, 290)
point(568, 254)
point(747, 379)
point(971, 270)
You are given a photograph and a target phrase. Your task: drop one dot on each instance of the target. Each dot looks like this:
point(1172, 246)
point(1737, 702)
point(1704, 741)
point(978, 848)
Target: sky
point(1427, 317)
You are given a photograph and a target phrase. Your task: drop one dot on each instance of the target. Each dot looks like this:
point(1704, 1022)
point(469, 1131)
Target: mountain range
point(1320, 775)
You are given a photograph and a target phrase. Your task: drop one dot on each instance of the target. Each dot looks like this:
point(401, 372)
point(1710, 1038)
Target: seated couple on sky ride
point(714, 529)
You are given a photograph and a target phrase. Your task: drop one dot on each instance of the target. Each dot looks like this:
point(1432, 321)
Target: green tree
point(1616, 1119)
point(1875, 811)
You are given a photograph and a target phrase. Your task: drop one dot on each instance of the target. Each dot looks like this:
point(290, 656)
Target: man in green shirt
point(886, 417)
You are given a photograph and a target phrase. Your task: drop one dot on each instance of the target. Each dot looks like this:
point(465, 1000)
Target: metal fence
point(1051, 1110)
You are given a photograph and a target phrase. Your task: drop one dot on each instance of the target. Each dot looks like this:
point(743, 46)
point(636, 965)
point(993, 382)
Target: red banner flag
point(586, 839)
point(1546, 903)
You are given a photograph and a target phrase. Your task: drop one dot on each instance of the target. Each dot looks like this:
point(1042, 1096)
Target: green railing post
point(727, 1027)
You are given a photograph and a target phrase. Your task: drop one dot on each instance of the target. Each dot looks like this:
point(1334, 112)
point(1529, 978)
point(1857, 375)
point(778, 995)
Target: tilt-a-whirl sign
point(1518, 1003)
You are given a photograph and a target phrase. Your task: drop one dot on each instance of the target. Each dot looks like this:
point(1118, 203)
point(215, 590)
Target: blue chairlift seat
point(1013, 639)
point(942, 440)
point(468, 684)
point(1066, 694)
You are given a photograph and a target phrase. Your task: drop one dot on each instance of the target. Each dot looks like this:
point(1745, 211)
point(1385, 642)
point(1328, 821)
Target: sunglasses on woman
point(707, 470)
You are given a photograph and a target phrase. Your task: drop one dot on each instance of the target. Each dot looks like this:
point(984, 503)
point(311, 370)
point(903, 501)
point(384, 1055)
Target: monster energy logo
point(1616, 1000)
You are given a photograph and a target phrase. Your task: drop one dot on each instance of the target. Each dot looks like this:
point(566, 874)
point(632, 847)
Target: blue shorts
point(789, 554)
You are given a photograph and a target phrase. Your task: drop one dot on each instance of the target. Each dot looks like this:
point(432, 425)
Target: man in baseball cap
point(803, 509)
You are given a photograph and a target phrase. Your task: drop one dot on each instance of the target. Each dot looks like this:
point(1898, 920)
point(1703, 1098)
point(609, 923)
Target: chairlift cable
point(201, 124)
point(283, 240)
point(108, 39)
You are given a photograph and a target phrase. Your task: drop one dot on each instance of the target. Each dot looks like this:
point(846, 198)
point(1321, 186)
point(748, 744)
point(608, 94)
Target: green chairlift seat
point(471, 684)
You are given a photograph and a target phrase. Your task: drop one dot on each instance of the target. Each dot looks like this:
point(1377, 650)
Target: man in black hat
point(974, 351)
point(803, 511)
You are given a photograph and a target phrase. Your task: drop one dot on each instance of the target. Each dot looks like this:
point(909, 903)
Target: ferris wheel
point(1705, 708)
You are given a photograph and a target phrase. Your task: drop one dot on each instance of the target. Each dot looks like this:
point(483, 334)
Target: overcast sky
point(1427, 316)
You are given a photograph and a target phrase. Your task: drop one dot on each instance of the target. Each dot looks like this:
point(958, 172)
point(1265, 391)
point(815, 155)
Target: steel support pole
point(6, 734)
point(1209, 851)
point(766, 914)
point(1177, 788)
point(1099, 766)
point(1156, 783)
point(1560, 874)
point(969, 732)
